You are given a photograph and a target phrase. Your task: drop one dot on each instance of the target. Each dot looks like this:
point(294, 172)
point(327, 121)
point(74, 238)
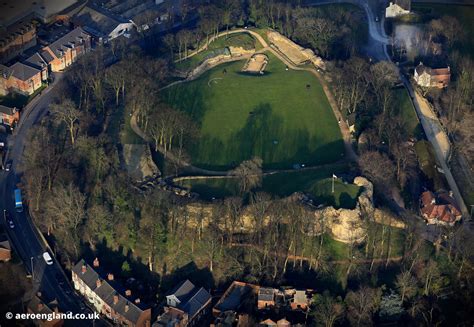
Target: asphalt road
point(50, 280)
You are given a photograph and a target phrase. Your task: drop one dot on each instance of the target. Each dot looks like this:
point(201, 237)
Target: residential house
point(267, 323)
point(299, 301)
point(398, 8)
point(9, 116)
point(283, 323)
point(265, 298)
point(106, 296)
point(429, 77)
point(17, 38)
point(38, 62)
point(65, 51)
point(19, 78)
point(102, 24)
point(5, 250)
point(440, 210)
point(186, 304)
point(37, 306)
point(234, 297)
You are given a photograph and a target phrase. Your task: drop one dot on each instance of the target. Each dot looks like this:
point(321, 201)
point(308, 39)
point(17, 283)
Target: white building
point(103, 24)
point(398, 8)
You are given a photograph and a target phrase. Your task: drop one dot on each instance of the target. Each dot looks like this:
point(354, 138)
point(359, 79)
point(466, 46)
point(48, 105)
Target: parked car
point(47, 258)
point(8, 219)
point(8, 166)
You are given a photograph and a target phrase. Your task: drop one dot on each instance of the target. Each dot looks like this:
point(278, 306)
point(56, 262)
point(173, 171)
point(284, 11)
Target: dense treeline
point(333, 31)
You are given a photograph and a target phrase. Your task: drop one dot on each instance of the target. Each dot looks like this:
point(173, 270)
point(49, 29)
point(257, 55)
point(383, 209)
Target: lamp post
point(32, 268)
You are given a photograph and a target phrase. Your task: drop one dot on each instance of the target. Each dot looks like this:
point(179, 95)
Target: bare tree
point(249, 173)
point(67, 113)
point(327, 309)
point(361, 304)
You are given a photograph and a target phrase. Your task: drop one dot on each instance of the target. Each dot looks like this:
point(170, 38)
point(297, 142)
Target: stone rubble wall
point(345, 225)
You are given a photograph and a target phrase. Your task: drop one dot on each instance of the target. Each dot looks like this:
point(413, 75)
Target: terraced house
point(108, 297)
point(65, 51)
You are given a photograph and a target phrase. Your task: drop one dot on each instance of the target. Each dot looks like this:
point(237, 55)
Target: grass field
point(404, 107)
point(282, 116)
point(316, 182)
point(464, 14)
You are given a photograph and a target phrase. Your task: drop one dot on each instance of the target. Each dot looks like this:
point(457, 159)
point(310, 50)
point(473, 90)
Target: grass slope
point(274, 116)
point(316, 182)
point(243, 40)
point(404, 107)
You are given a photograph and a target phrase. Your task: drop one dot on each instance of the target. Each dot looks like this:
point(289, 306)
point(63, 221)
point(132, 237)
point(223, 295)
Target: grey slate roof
point(233, 299)
point(7, 110)
point(196, 302)
point(67, 41)
point(266, 294)
point(23, 72)
point(183, 291)
point(36, 61)
point(106, 292)
point(94, 19)
point(405, 4)
point(46, 56)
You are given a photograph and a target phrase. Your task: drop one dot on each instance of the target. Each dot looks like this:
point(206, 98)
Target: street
point(50, 280)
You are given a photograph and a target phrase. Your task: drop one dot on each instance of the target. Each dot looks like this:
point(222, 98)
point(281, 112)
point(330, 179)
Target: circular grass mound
point(281, 116)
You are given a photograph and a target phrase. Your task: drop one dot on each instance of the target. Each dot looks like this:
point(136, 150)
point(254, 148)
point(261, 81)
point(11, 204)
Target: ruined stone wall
point(345, 225)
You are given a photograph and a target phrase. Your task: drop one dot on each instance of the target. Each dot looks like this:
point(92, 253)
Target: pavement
point(27, 241)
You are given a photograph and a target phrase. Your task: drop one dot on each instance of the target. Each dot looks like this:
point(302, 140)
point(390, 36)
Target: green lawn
point(404, 107)
point(464, 14)
point(217, 47)
point(274, 116)
point(316, 182)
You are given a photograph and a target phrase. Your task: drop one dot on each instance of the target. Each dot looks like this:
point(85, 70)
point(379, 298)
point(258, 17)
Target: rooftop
point(13, 11)
point(22, 72)
point(126, 307)
point(68, 41)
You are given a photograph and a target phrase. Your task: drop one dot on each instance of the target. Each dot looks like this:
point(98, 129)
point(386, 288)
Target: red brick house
point(37, 305)
point(5, 251)
point(9, 116)
point(105, 295)
point(186, 304)
point(430, 77)
point(20, 78)
point(440, 210)
point(64, 51)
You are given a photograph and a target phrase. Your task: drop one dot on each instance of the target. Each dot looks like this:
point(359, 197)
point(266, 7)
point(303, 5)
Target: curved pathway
point(350, 154)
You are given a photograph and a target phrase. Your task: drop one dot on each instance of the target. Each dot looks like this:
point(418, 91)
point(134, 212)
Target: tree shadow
point(199, 277)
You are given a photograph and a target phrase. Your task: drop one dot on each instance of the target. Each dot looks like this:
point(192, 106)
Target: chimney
point(128, 293)
point(116, 298)
point(40, 306)
point(110, 276)
point(137, 300)
point(56, 310)
point(84, 269)
point(98, 282)
point(96, 263)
